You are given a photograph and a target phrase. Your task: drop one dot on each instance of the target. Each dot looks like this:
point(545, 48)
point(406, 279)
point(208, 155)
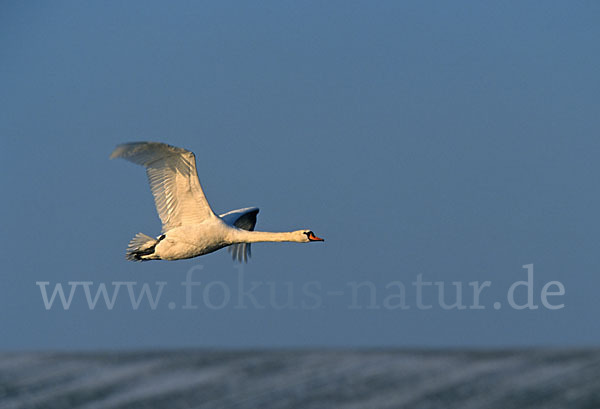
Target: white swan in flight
point(189, 226)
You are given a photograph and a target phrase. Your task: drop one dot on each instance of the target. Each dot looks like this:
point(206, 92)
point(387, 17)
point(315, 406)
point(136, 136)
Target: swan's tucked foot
point(141, 248)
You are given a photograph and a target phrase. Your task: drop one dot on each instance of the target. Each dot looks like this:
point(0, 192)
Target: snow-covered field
point(348, 379)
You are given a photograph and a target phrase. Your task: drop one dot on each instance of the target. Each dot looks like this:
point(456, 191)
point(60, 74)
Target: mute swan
point(189, 226)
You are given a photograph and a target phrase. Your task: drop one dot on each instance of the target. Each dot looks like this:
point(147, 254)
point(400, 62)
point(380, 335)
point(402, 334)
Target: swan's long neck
point(245, 236)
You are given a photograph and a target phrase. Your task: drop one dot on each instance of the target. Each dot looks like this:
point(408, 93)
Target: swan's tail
point(141, 248)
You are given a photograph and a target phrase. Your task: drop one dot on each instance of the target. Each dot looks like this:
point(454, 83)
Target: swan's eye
point(309, 233)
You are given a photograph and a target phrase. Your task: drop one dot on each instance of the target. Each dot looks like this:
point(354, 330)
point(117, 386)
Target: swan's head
point(306, 236)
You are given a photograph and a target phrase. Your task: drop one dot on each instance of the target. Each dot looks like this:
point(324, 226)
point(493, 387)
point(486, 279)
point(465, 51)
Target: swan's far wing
point(242, 219)
point(173, 180)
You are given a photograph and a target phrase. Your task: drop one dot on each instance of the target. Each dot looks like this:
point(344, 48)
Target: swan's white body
point(190, 227)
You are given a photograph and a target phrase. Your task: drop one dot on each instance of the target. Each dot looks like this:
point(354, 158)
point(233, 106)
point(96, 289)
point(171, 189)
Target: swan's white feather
point(173, 180)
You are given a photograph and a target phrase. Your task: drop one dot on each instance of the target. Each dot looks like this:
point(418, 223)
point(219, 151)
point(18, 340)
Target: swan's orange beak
point(312, 237)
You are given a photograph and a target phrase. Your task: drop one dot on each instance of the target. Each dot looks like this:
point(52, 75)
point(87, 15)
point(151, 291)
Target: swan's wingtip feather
point(124, 149)
point(116, 153)
point(129, 149)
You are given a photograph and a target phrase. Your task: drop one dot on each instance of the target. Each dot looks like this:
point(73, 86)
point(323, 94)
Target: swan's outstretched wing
point(173, 179)
point(242, 219)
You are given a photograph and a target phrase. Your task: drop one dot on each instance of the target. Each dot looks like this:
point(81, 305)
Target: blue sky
point(454, 140)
